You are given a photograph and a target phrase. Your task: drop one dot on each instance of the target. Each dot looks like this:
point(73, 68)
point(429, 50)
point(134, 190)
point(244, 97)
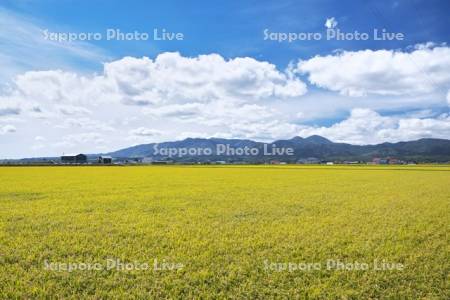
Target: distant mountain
point(320, 148)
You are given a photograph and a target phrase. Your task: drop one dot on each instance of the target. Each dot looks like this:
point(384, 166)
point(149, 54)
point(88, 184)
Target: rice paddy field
point(200, 232)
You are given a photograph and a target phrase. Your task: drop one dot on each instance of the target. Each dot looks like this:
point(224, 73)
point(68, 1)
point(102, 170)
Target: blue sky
point(235, 28)
point(328, 95)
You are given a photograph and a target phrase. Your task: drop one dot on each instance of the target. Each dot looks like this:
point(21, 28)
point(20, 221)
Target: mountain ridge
point(422, 150)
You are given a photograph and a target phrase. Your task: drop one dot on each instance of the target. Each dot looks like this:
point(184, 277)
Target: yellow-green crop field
point(253, 232)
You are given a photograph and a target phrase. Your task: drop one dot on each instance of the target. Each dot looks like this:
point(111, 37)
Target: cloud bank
point(365, 126)
point(382, 72)
point(173, 96)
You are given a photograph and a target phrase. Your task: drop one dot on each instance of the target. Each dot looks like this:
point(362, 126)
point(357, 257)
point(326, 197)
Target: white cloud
point(80, 139)
point(172, 97)
point(147, 132)
point(59, 87)
point(8, 107)
point(331, 23)
point(382, 72)
point(70, 110)
point(85, 123)
point(219, 113)
point(172, 78)
point(169, 79)
point(37, 147)
point(212, 94)
point(190, 134)
point(178, 111)
point(365, 126)
point(7, 129)
point(264, 131)
point(448, 97)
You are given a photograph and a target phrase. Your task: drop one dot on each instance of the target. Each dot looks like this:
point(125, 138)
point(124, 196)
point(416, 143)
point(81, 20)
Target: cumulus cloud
point(230, 119)
point(171, 96)
point(382, 72)
point(170, 85)
point(206, 90)
point(174, 78)
point(365, 126)
point(219, 113)
point(170, 78)
point(59, 87)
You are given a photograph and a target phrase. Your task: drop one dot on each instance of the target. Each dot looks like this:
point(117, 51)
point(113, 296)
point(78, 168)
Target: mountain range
point(313, 147)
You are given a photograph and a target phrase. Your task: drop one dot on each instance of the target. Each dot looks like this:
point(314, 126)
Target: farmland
point(225, 231)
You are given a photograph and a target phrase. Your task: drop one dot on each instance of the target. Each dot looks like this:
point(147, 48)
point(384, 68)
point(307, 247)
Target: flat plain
point(225, 232)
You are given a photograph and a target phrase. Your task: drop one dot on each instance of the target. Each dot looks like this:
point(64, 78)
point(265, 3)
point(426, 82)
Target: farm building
point(104, 159)
point(74, 158)
point(387, 161)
